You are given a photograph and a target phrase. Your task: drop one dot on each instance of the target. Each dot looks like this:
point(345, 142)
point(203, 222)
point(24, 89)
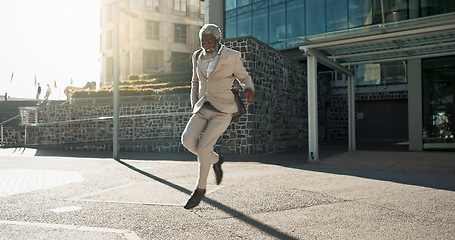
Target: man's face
point(209, 43)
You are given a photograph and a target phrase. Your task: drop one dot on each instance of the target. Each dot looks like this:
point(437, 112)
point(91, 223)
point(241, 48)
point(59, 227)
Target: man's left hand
point(249, 94)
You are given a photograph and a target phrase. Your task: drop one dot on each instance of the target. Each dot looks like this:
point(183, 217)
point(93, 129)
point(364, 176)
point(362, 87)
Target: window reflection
point(231, 27)
point(433, 7)
point(260, 25)
point(315, 17)
point(244, 25)
point(277, 22)
point(438, 78)
point(360, 13)
point(295, 19)
point(230, 4)
point(337, 14)
point(368, 74)
point(272, 20)
point(372, 74)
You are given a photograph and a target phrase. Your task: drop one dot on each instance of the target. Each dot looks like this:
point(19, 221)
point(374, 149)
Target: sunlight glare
point(54, 39)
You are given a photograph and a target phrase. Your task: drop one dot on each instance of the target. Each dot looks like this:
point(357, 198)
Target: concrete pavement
point(354, 195)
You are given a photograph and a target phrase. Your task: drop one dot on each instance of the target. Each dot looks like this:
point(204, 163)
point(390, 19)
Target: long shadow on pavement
point(436, 180)
point(292, 158)
point(234, 213)
point(442, 181)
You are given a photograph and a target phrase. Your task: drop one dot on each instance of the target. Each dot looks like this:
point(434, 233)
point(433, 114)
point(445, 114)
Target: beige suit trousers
point(200, 135)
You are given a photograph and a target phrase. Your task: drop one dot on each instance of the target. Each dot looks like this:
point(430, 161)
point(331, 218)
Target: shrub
point(145, 84)
point(133, 77)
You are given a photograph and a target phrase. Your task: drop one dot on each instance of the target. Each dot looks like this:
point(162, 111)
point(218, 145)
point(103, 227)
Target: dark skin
point(209, 43)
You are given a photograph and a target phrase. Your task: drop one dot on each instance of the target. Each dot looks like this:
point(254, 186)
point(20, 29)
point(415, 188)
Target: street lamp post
point(116, 43)
point(116, 66)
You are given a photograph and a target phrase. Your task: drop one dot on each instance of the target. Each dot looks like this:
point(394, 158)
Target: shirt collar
point(221, 48)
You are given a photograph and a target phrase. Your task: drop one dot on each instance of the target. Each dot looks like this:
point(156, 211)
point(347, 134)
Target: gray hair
point(211, 29)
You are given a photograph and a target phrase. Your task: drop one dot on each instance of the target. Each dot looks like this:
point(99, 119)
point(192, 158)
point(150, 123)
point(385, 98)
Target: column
point(313, 147)
point(351, 113)
point(415, 123)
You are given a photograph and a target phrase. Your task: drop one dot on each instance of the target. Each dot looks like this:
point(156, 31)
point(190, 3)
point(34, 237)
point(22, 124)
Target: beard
point(213, 51)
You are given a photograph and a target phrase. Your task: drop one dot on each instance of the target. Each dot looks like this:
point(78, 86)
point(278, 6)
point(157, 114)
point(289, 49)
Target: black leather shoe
point(218, 171)
point(195, 199)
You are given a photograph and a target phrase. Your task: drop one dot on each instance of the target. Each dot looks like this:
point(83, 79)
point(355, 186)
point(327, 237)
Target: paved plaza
point(348, 195)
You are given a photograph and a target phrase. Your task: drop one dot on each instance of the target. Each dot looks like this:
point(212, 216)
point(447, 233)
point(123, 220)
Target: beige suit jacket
point(217, 87)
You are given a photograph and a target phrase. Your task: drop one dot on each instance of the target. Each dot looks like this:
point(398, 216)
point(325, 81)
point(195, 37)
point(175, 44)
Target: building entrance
point(438, 79)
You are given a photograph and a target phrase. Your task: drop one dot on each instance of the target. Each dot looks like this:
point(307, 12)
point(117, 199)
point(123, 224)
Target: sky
point(52, 39)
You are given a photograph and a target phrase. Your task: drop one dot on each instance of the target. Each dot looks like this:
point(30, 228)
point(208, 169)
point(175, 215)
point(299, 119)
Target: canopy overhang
point(410, 39)
point(419, 38)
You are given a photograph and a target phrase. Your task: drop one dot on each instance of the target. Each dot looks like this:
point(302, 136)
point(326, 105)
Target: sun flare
point(50, 39)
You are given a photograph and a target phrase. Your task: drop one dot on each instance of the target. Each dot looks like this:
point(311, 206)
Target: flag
point(12, 74)
point(55, 84)
point(35, 79)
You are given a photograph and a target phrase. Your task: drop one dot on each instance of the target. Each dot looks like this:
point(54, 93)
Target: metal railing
point(28, 115)
point(141, 98)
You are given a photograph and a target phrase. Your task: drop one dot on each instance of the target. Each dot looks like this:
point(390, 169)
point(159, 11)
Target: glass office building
point(272, 21)
point(419, 54)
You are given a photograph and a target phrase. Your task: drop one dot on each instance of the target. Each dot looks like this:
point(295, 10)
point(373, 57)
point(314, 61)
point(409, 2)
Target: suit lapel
point(199, 66)
point(220, 60)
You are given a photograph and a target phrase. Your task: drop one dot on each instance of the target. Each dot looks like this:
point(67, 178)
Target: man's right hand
point(249, 94)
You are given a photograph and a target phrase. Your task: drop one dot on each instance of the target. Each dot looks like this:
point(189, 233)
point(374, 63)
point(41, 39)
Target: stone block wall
point(142, 126)
point(12, 136)
point(277, 119)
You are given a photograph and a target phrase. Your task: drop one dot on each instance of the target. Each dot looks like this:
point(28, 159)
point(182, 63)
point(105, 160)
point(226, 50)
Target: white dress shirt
point(209, 65)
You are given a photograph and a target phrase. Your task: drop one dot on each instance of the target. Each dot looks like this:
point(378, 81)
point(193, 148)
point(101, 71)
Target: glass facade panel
point(394, 73)
point(261, 25)
point(373, 74)
point(395, 10)
point(438, 79)
point(231, 13)
point(433, 7)
point(244, 25)
point(336, 14)
point(277, 26)
point(295, 19)
point(360, 13)
point(368, 74)
point(230, 4)
point(241, 3)
point(275, 2)
point(245, 9)
point(315, 17)
point(278, 45)
point(259, 4)
point(231, 27)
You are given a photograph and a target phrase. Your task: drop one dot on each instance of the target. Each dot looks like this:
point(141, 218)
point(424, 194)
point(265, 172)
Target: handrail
point(140, 97)
point(10, 119)
point(105, 118)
